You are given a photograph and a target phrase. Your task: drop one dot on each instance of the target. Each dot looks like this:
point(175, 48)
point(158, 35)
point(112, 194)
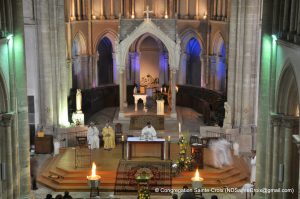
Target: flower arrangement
point(184, 162)
point(158, 96)
point(144, 193)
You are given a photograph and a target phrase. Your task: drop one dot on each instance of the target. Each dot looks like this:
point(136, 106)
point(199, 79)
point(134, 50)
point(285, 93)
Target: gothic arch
point(79, 46)
point(189, 34)
point(136, 45)
point(148, 27)
point(287, 91)
point(3, 94)
point(218, 43)
point(110, 34)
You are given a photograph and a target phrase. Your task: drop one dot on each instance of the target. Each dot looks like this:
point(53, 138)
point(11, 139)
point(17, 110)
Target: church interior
point(149, 99)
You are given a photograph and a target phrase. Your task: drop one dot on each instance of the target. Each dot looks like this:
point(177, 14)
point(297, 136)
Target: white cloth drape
point(93, 137)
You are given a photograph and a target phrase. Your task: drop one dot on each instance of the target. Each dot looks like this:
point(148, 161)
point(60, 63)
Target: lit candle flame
point(94, 169)
point(197, 176)
point(94, 176)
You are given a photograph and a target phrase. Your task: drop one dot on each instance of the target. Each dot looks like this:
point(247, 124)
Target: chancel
point(215, 79)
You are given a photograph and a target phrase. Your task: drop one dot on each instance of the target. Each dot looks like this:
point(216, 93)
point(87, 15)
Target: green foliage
point(144, 193)
point(184, 162)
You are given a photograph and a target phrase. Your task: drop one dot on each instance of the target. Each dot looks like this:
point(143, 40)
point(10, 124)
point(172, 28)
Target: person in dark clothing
point(67, 195)
point(174, 196)
point(214, 197)
point(33, 171)
point(59, 196)
point(48, 196)
point(187, 194)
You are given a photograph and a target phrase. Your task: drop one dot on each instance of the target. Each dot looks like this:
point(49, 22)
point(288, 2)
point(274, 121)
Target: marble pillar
point(7, 154)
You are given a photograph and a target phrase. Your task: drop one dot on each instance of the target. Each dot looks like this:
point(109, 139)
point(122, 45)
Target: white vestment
point(148, 132)
point(93, 137)
point(236, 150)
point(221, 153)
point(253, 169)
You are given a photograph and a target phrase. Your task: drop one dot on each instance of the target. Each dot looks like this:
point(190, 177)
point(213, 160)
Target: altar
point(146, 148)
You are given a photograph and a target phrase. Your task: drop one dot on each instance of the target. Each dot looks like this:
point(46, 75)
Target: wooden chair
point(118, 133)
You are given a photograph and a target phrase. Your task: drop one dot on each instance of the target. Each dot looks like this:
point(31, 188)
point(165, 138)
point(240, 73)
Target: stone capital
point(6, 119)
point(290, 123)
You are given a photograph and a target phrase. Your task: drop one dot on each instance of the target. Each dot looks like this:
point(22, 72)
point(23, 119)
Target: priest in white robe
point(148, 131)
point(93, 136)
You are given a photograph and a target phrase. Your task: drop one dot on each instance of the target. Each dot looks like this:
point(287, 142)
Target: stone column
point(288, 125)
point(112, 16)
point(132, 9)
point(197, 16)
point(296, 140)
point(124, 88)
point(182, 70)
point(215, 9)
point(186, 9)
point(83, 9)
point(212, 72)
point(216, 77)
point(5, 124)
point(101, 10)
point(121, 92)
point(173, 91)
point(166, 71)
point(219, 10)
point(224, 14)
point(96, 81)
point(115, 70)
point(286, 16)
point(122, 8)
point(162, 69)
point(275, 169)
point(203, 61)
point(78, 10)
point(293, 16)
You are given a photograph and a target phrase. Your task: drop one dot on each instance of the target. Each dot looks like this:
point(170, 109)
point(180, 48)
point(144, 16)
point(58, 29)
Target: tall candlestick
point(122, 138)
point(179, 127)
point(169, 138)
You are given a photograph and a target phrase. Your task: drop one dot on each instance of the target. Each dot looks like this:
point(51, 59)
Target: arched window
point(193, 64)
point(105, 62)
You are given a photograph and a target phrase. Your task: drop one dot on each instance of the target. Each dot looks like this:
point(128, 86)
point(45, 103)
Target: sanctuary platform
point(59, 173)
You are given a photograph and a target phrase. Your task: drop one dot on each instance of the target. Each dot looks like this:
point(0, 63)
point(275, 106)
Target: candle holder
point(94, 182)
point(197, 180)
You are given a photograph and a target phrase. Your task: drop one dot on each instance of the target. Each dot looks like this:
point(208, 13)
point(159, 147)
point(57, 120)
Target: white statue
point(134, 90)
point(227, 118)
point(78, 100)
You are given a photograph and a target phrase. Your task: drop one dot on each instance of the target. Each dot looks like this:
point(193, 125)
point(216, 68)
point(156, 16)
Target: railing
point(231, 137)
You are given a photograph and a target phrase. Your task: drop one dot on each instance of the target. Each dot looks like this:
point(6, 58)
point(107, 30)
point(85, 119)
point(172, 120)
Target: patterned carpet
point(160, 172)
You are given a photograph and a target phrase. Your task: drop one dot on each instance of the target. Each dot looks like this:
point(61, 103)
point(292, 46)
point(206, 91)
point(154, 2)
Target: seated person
point(148, 131)
point(93, 136)
point(108, 136)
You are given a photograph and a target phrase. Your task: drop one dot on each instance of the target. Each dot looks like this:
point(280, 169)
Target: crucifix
point(147, 11)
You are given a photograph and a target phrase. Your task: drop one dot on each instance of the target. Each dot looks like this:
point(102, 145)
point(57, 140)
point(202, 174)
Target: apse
point(149, 58)
point(193, 65)
point(105, 62)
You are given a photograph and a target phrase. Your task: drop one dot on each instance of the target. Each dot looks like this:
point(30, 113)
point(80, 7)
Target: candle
point(165, 89)
point(169, 138)
point(161, 90)
point(122, 138)
point(179, 127)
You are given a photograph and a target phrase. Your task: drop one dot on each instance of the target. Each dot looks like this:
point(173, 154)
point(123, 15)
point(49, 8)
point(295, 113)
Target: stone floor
point(190, 120)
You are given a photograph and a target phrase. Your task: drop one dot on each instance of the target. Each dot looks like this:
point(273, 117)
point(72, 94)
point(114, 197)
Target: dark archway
point(193, 65)
point(105, 62)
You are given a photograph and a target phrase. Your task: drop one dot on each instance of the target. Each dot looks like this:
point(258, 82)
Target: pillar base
point(297, 39)
point(125, 104)
point(173, 115)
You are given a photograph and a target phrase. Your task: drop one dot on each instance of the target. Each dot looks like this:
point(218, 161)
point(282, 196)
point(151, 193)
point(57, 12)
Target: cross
point(147, 11)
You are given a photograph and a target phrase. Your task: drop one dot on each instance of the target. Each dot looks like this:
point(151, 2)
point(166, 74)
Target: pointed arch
point(189, 34)
point(219, 44)
point(110, 34)
point(79, 44)
point(287, 91)
point(148, 27)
